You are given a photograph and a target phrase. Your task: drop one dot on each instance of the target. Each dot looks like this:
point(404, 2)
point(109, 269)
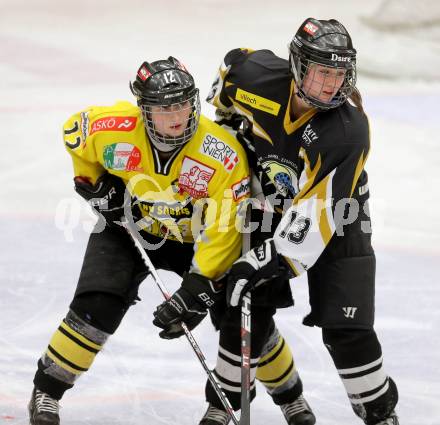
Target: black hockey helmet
point(325, 43)
point(165, 83)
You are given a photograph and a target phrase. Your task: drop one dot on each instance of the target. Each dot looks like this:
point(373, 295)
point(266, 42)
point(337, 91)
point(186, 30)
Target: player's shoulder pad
point(337, 128)
point(120, 108)
point(220, 133)
point(237, 56)
point(353, 125)
point(219, 149)
point(94, 112)
point(122, 116)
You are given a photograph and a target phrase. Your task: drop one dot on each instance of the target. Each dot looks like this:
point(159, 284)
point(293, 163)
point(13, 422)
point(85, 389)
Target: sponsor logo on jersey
point(194, 178)
point(113, 124)
point(241, 188)
point(122, 157)
point(160, 210)
point(143, 73)
point(220, 151)
point(310, 28)
point(309, 135)
point(258, 102)
point(338, 58)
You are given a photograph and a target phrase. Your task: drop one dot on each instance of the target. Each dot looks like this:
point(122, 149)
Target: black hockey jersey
point(312, 168)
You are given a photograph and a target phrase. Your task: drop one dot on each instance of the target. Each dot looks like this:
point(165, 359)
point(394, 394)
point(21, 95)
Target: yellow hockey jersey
point(193, 196)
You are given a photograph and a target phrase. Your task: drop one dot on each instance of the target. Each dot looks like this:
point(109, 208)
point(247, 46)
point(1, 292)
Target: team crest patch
point(194, 178)
point(282, 176)
point(122, 157)
point(220, 151)
point(113, 124)
point(241, 188)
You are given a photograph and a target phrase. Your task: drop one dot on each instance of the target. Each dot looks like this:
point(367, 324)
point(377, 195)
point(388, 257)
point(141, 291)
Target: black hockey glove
point(189, 304)
point(236, 124)
point(106, 197)
point(228, 120)
point(253, 269)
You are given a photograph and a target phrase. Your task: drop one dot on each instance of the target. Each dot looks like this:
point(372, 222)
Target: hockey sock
point(228, 367)
point(276, 370)
point(71, 352)
point(357, 355)
point(228, 373)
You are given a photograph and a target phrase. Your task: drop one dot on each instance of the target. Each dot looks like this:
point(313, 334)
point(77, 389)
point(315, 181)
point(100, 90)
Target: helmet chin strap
point(161, 146)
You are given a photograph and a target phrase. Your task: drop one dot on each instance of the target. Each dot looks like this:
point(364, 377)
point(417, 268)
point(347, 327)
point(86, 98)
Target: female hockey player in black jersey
point(307, 138)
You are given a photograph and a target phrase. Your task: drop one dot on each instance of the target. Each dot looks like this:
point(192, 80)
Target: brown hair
point(356, 98)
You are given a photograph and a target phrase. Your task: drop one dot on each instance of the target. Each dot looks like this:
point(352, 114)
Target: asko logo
point(114, 124)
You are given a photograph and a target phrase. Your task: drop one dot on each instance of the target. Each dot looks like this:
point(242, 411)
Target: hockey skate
point(298, 412)
point(392, 420)
point(43, 409)
point(214, 416)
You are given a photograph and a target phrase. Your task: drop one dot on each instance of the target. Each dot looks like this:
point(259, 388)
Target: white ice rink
point(56, 57)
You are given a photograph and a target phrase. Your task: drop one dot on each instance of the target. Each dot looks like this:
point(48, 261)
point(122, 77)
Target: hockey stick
point(245, 416)
point(245, 332)
point(133, 232)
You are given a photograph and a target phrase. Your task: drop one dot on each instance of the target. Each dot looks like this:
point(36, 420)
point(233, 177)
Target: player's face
point(171, 120)
point(322, 82)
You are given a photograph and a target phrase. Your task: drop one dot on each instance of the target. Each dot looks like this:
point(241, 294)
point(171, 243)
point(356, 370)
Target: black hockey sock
point(357, 355)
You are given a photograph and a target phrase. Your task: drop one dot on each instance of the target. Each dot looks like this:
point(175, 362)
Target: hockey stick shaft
point(214, 382)
point(245, 415)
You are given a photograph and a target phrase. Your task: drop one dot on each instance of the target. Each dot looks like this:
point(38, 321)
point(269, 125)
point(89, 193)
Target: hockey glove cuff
point(189, 304)
point(228, 120)
point(258, 266)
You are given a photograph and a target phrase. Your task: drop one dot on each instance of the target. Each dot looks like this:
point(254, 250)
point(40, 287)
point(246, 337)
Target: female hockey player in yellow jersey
point(308, 140)
point(186, 178)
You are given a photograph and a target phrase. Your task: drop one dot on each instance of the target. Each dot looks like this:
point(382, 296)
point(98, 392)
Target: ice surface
point(58, 57)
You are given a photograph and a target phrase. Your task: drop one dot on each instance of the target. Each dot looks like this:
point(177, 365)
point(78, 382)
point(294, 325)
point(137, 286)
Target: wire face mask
point(173, 125)
point(322, 86)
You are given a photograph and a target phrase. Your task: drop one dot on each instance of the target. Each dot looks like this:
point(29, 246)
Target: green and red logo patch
point(122, 157)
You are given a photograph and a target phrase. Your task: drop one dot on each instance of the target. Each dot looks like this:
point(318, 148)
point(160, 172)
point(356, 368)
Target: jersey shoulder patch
point(123, 116)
